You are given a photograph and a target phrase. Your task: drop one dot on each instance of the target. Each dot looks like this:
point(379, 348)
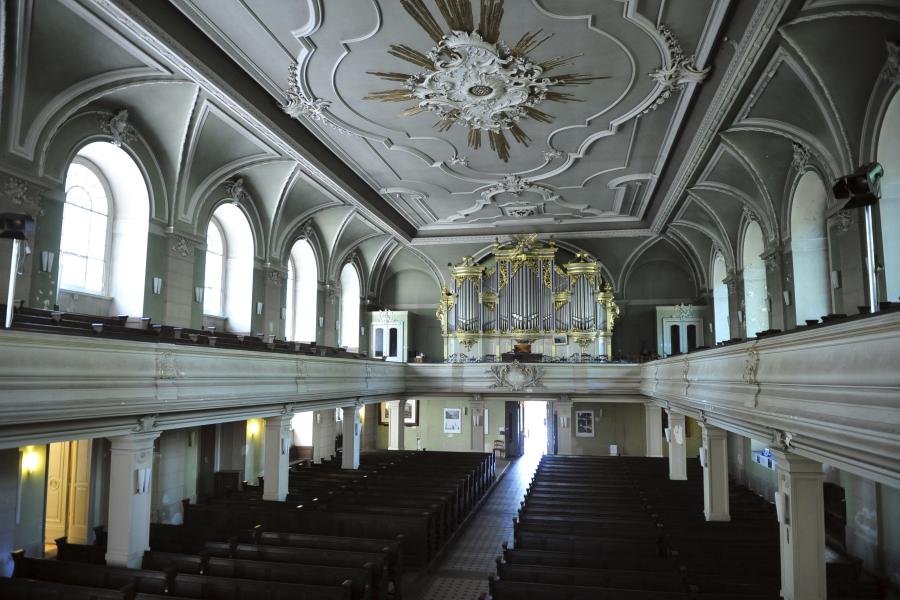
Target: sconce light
point(668, 433)
point(31, 461)
point(252, 427)
point(47, 261)
point(781, 508)
point(284, 446)
point(157, 285)
point(704, 457)
point(142, 480)
point(192, 438)
point(740, 316)
point(836, 280)
point(362, 331)
point(198, 294)
point(321, 321)
point(259, 308)
point(476, 420)
point(787, 297)
point(283, 313)
point(564, 421)
point(318, 418)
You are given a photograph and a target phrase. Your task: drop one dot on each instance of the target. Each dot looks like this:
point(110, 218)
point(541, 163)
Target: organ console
point(520, 297)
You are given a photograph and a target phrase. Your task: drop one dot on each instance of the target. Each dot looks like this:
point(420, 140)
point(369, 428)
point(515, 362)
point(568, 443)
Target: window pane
point(97, 242)
point(94, 276)
point(78, 196)
point(76, 230)
point(212, 297)
point(214, 239)
point(72, 271)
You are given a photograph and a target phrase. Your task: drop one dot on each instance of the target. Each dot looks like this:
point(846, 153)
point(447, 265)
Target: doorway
point(68, 492)
point(535, 426)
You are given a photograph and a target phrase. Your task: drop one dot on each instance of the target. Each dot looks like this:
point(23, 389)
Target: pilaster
point(653, 430)
point(677, 448)
point(131, 477)
point(350, 454)
point(277, 456)
point(714, 460)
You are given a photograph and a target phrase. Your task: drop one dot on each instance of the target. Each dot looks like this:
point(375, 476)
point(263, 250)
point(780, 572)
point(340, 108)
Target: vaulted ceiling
point(593, 166)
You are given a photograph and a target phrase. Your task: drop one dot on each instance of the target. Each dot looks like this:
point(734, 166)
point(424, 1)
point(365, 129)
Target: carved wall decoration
point(750, 214)
point(235, 189)
point(843, 221)
point(516, 377)
point(118, 128)
point(751, 366)
point(891, 70)
point(517, 186)
point(473, 79)
point(772, 260)
point(300, 105)
point(681, 70)
point(166, 365)
point(275, 277)
point(801, 158)
point(145, 424)
point(18, 193)
point(181, 246)
point(683, 311)
point(783, 440)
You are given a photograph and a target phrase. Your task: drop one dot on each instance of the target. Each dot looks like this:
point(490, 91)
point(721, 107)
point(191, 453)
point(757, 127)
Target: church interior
point(450, 300)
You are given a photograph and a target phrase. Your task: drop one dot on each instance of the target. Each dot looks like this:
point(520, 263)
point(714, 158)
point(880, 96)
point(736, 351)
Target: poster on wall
point(584, 423)
point(452, 420)
point(410, 413)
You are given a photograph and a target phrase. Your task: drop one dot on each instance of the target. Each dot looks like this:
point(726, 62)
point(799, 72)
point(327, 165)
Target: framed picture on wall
point(561, 339)
point(584, 423)
point(410, 413)
point(452, 420)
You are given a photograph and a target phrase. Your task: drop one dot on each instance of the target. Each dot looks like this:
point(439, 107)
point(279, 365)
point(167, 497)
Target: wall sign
point(584, 423)
point(452, 420)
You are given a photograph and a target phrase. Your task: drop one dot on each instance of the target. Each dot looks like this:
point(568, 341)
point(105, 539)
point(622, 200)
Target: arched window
point(809, 249)
point(756, 301)
point(214, 294)
point(229, 268)
point(889, 206)
point(85, 229)
point(349, 308)
point(720, 299)
point(301, 294)
point(103, 247)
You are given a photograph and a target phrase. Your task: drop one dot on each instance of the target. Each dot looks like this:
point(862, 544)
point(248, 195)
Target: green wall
point(48, 231)
point(32, 506)
point(614, 423)
point(157, 259)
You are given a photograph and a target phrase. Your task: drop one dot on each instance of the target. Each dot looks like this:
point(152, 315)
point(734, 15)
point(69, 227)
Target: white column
point(131, 475)
point(476, 410)
point(653, 429)
point(802, 527)
point(323, 435)
point(277, 457)
point(564, 439)
point(395, 424)
point(677, 448)
point(351, 438)
point(714, 456)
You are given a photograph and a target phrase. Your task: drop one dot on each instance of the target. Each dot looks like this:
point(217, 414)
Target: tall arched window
point(214, 294)
point(301, 293)
point(720, 299)
point(85, 229)
point(809, 249)
point(889, 206)
point(349, 308)
point(103, 247)
point(229, 268)
point(756, 301)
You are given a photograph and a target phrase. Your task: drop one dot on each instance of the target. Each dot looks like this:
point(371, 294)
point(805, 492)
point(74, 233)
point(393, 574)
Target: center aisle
point(462, 574)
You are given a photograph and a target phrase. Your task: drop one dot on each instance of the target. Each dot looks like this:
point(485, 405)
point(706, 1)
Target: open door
point(515, 442)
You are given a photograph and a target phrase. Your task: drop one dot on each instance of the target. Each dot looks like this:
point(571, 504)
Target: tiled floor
point(462, 573)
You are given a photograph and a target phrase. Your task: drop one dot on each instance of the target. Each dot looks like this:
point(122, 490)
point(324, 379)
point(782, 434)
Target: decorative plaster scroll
point(782, 439)
point(801, 158)
point(891, 70)
point(772, 260)
point(300, 105)
point(180, 246)
point(516, 377)
point(552, 154)
point(750, 214)
point(145, 424)
point(751, 366)
point(681, 70)
point(843, 221)
point(235, 189)
point(118, 128)
point(166, 365)
point(516, 185)
point(274, 276)
point(682, 311)
point(16, 191)
point(459, 161)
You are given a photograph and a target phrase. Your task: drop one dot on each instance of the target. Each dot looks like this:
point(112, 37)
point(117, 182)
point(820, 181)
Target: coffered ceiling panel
point(466, 124)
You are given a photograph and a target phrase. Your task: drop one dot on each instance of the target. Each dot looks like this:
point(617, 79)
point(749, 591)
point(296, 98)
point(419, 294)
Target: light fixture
point(740, 316)
point(321, 321)
point(157, 285)
point(198, 294)
point(47, 261)
point(668, 433)
point(252, 427)
point(31, 460)
point(704, 457)
point(787, 297)
point(259, 308)
point(283, 313)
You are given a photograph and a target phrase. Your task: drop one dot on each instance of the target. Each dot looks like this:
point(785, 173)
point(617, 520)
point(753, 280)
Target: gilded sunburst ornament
point(473, 79)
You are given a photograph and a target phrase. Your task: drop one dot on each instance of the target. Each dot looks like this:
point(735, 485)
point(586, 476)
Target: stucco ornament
point(891, 70)
point(677, 71)
point(516, 377)
point(236, 191)
point(118, 128)
point(474, 79)
point(18, 193)
point(299, 104)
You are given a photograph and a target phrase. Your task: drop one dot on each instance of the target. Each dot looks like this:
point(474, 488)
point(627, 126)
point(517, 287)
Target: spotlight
point(860, 188)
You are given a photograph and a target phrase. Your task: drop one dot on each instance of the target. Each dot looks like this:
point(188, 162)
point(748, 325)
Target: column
point(677, 449)
point(323, 435)
point(653, 429)
point(395, 424)
point(277, 457)
point(476, 410)
point(370, 425)
point(714, 459)
point(351, 438)
point(564, 435)
point(131, 475)
point(802, 526)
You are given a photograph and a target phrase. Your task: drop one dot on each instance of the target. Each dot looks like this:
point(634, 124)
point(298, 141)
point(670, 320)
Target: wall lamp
point(198, 294)
point(31, 460)
point(47, 260)
point(157, 285)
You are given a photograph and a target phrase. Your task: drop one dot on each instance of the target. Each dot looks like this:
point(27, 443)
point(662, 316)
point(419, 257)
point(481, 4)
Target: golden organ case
point(521, 294)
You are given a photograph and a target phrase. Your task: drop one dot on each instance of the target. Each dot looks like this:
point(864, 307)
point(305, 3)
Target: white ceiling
point(594, 168)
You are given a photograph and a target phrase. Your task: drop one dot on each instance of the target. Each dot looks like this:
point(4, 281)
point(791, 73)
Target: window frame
point(110, 220)
point(223, 283)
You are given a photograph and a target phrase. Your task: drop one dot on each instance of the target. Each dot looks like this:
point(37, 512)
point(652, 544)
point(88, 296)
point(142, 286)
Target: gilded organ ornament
point(474, 79)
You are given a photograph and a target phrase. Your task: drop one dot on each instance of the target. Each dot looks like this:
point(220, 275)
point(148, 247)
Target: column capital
point(796, 464)
point(134, 441)
point(712, 431)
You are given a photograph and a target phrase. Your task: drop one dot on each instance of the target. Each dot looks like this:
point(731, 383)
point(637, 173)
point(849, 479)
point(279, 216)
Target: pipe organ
point(521, 298)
